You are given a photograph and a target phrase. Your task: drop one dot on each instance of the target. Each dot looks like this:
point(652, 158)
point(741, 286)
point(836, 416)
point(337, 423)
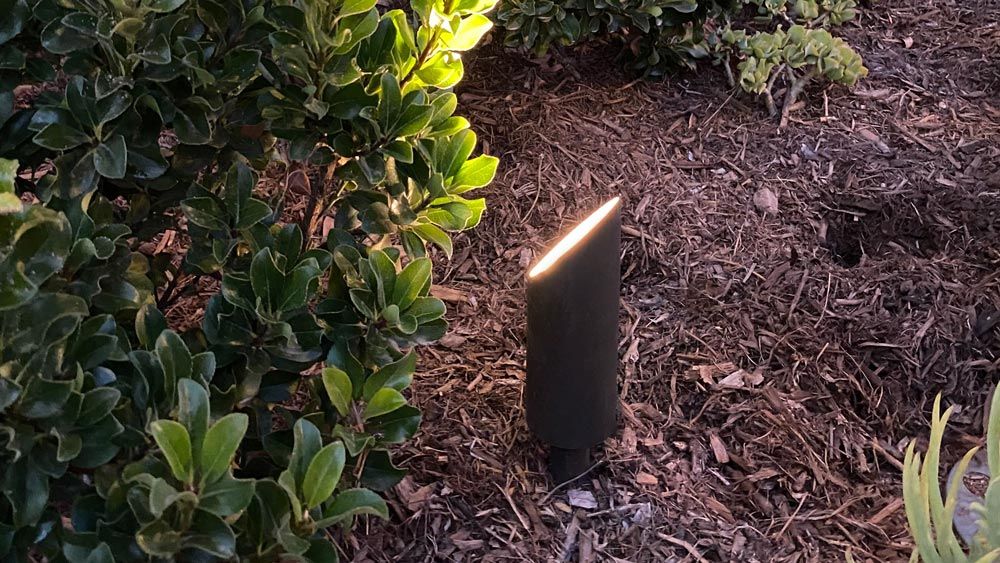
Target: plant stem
point(729, 72)
point(796, 88)
point(168, 296)
point(769, 91)
point(307, 220)
point(422, 58)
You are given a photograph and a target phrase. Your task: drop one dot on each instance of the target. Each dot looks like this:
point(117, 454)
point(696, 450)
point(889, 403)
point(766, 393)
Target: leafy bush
point(253, 434)
point(931, 516)
point(538, 24)
point(782, 40)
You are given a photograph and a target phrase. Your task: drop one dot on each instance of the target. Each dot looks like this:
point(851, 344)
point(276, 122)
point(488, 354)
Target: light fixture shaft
point(571, 389)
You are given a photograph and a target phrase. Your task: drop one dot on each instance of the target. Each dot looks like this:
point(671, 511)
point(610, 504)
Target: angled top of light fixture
point(574, 237)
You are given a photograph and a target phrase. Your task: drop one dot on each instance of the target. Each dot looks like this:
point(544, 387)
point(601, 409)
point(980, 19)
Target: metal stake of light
point(571, 388)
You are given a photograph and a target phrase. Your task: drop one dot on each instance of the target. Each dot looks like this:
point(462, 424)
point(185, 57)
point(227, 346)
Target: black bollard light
point(571, 389)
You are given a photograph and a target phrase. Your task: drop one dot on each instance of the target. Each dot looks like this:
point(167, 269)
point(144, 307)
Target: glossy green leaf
point(61, 39)
point(286, 480)
point(192, 126)
point(442, 70)
point(413, 281)
point(323, 474)
point(203, 367)
point(101, 554)
point(338, 387)
point(111, 158)
point(157, 51)
point(221, 442)
point(161, 496)
point(174, 442)
point(266, 279)
point(193, 413)
point(288, 242)
point(11, 58)
point(384, 271)
point(97, 403)
point(157, 538)
point(391, 102)
point(321, 550)
point(9, 392)
point(397, 426)
point(379, 473)
point(402, 151)
point(299, 285)
point(128, 28)
point(414, 119)
point(396, 375)
point(252, 212)
point(354, 502)
point(308, 441)
point(206, 213)
point(475, 6)
point(452, 155)
point(149, 324)
point(423, 9)
point(474, 173)
point(435, 235)
point(174, 356)
point(351, 7)
point(384, 401)
point(27, 491)
point(226, 496)
point(469, 32)
point(211, 534)
point(43, 398)
point(60, 137)
point(13, 18)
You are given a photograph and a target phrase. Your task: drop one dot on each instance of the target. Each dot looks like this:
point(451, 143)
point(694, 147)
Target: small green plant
point(931, 515)
point(265, 424)
point(804, 51)
point(798, 55)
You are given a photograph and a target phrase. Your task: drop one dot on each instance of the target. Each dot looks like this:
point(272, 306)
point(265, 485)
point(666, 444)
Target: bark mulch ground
point(775, 366)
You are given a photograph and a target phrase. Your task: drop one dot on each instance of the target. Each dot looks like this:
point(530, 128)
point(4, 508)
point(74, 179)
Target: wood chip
point(875, 139)
point(449, 294)
point(887, 511)
point(643, 478)
point(581, 498)
point(718, 448)
point(766, 201)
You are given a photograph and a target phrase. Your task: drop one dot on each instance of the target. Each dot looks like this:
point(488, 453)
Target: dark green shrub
point(538, 24)
point(257, 432)
point(767, 40)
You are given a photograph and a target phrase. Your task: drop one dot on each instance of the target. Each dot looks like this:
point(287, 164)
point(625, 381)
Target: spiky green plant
point(931, 517)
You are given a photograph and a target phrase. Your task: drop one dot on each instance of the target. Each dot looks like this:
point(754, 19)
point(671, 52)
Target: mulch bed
point(775, 366)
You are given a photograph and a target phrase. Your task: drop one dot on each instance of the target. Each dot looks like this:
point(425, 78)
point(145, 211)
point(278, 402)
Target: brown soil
point(834, 323)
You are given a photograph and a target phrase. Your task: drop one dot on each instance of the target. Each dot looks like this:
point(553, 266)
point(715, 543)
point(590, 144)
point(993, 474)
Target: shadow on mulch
point(774, 366)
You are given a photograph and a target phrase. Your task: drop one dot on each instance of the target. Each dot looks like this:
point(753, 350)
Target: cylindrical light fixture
point(571, 389)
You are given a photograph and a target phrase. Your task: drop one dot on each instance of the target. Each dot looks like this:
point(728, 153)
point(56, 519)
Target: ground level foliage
point(133, 136)
point(760, 44)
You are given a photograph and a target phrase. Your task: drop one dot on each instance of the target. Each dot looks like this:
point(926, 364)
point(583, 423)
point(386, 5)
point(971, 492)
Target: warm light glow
point(575, 236)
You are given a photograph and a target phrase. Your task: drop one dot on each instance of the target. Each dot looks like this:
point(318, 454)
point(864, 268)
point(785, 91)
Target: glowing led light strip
point(574, 237)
